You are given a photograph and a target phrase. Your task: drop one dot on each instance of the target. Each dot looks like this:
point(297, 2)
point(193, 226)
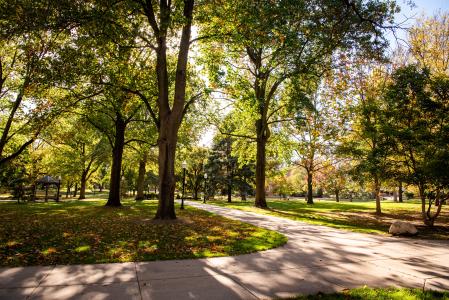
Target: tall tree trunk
point(229, 173)
point(425, 213)
point(169, 119)
point(400, 192)
point(75, 190)
point(377, 194)
point(229, 191)
point(83, 186)
point(195, 192)
point(395, 195)
point(117, 155)
point(68, 190)
point(167, 152)
point(9, 122)
point(260, 200)
point(141, 177)
point(337, 195)
point(309, 187)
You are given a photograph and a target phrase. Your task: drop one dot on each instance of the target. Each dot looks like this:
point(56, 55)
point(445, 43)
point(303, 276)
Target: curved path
point(315, 259)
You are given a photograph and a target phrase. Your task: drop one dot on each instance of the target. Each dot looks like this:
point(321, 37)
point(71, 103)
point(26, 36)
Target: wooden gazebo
point(46, 182)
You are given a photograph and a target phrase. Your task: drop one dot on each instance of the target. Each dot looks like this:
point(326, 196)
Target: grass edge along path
point(353, 216)
point(392, 293)
point(84, 232)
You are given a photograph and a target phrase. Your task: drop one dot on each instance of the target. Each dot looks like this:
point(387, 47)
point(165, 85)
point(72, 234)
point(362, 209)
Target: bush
point(151, 196)
point(409, 195)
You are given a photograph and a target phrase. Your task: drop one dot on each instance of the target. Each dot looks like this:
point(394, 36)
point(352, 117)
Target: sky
point(409, 14)
point(420, 7)
point(426, 6)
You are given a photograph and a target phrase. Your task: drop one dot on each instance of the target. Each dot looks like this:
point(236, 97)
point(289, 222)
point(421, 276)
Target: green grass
point(78, 232)
point(355, 216)
point(380, 294)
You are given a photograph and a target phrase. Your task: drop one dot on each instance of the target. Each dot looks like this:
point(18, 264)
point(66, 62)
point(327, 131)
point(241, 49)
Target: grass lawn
point(381, 294)
point(77, 232)
point(355, 216)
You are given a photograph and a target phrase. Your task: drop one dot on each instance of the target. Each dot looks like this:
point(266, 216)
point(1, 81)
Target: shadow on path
point(315, 259)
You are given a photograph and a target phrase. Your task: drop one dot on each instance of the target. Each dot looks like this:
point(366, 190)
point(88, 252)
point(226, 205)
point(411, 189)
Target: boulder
point(402, 228)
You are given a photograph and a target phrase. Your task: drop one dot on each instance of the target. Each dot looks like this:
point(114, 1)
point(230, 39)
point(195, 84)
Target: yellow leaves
point(12, 243)
point(49, 251)
point(147, 246)
point(89, 233)
point(82, 248)
point(429, 42)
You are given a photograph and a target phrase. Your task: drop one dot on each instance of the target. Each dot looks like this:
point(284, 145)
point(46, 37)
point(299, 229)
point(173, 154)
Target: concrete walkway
point(315, 259)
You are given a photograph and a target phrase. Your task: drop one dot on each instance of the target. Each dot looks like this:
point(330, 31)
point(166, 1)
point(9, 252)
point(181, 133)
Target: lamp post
point(184, 167)
point(205, 180)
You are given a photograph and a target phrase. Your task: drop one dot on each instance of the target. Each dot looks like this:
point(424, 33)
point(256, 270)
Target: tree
point(337, 179)
point(148, 27)
point(34, 91)
point(280, 184)
point(429, 41)
point(78, 148)
point(118, 113)
point(244, 179)
point(164, 20)
point(313, 130)
point(29, 100)
point(417, 120)
point(268, 44)
point(141, 177)
point(222, 166)
point(366, 143)
point(229, 172)
point(195, 158)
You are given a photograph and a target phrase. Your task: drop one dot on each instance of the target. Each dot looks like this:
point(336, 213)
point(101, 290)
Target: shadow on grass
point(316, 260)
point(79, 232)
point(359, 217)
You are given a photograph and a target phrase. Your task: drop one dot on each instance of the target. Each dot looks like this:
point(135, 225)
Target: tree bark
point(309, 187)
point(260, 166)
point(117, 155)
point(337, 195)
point(83, 186)
point(167, 151)
point(7, 125)
point(229, 191)
point(400, 192)
point(68, 190)
point(75, 190)
point(229, 171)
point(169, 119)
point(195, 192)
point(141, 177)
point(427, 218)
point(377, 194)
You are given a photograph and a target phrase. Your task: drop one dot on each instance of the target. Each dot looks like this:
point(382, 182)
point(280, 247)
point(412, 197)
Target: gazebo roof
point(47, 179)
